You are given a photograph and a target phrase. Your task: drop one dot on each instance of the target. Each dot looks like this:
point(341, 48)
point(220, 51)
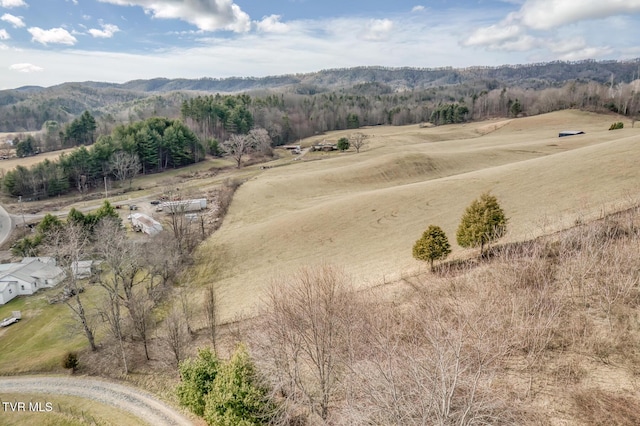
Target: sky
point(48, 42)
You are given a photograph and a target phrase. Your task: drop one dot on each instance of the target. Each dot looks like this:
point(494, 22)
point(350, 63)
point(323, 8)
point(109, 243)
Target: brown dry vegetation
point(365, 211)
point(545, 332)
point(12, 163)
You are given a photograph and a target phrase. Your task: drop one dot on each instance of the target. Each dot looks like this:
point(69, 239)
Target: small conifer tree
point(483, 221)
point(433, 245)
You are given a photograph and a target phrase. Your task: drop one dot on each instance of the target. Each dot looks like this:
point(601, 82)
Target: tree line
point(150, 146)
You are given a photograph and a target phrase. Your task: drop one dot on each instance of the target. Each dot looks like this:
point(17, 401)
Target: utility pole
point(21, 209)
point(106, 195)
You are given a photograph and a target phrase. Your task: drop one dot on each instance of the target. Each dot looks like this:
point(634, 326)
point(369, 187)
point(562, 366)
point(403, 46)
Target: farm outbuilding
point(570, 133)
point(182, 206)
point(143, 223)
point(83, 268)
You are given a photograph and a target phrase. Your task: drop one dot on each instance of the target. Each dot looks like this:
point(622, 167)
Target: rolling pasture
point(364, 211)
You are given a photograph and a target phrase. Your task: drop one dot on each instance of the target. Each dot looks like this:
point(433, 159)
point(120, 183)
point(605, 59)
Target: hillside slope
point(364, 211)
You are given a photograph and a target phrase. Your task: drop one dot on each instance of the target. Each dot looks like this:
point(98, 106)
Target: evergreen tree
point(483, 221)
point(237, 398)
point(343, 144)
point(433, 245)
point(197, 376)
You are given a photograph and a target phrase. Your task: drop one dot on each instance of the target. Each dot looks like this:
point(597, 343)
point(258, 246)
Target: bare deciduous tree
point(142, 323)
point(187, 308)
point(125, 165)
point(211, 312)
point(306, 324)
point(237, 146)
point(260, 140)
point(176, 334)
point(71, 244)
point(358, 140)
point(125, 270)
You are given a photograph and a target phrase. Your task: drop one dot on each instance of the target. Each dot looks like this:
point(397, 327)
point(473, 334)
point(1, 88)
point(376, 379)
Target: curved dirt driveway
point(135, 401)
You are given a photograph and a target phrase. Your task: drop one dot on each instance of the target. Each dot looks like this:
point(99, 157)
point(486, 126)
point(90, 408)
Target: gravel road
point(135, 401)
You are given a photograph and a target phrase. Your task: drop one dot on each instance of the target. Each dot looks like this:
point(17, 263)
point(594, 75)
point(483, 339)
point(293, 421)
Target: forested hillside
point(118, 119)
point(377, 95)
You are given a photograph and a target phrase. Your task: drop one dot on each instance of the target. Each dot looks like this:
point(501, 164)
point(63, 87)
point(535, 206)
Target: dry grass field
point(12, 163)
point(364, 211)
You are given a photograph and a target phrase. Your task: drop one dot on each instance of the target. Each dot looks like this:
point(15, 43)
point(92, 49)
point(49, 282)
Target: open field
point(12, 163)
point(364, 211)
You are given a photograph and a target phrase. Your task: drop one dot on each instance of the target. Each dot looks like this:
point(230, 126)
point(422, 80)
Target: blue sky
point(47, 42)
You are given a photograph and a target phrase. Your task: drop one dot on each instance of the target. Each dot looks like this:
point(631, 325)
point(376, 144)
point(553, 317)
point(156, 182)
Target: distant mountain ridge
point(398, 78)
point(26, 108)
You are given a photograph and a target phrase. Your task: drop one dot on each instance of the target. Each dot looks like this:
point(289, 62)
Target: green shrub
point(237, 397)
point(343, 144)
point(224, 393)
point(70, 361)
point(197, 379)
point(616, 126)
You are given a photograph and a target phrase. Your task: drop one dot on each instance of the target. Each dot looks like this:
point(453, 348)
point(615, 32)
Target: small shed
point(82, 268)
point(570, 133)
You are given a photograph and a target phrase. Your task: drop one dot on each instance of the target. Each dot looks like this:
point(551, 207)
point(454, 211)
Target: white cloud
point(493, 34)
point(567, 45)
point(378, 30)
point(4, 35)
point(523, 43)
point(107, 31)
point(54, 35)
point(544, 24)
point(418, 8)
point(272, 24)
point(26, 68)
point(547, 14)
point(12, 3)
point(208, 15)
point(16, 21)
point(586, 53)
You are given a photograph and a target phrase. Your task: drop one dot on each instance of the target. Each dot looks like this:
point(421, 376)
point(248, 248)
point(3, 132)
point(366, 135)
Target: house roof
point(33, 269)
point(150, 223)
point(47, 260)
point(4, 285)
point(570, 133)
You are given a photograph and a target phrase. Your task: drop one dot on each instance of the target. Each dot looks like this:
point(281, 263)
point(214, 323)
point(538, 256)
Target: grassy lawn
point(65, 411)
point(38, 342)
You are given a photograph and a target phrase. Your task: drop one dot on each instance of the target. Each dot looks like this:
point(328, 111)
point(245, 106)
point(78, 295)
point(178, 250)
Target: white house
point(27, 277)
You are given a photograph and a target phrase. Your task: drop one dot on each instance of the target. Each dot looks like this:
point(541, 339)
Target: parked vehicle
point(11, 320)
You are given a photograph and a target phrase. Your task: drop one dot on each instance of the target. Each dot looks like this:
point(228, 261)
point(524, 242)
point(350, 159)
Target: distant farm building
point(295, 149)
point(27, 277)
point(143, 223)
point(183, 206)
point(570, 133)
point(324, 147)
